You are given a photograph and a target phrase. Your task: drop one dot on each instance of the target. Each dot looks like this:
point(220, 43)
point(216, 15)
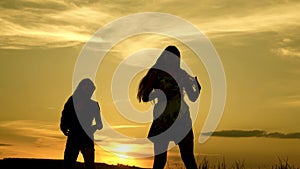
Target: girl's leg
point(160, 156)
point(186, 147)
point(70, 155)
point(89, 157)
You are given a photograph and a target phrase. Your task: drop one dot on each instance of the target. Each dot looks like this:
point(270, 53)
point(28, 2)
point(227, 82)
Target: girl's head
point(174, 50)
point(85, 89)
point(169, 59)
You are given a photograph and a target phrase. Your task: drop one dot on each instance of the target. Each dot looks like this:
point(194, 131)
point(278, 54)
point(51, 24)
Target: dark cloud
point(252, 133)
point(282, 135)
point(3, 145)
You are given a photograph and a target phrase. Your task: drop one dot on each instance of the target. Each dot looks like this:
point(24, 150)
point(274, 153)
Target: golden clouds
point(63, 23)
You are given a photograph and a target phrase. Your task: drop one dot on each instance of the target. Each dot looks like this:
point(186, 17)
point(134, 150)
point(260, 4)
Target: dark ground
point(29, 163)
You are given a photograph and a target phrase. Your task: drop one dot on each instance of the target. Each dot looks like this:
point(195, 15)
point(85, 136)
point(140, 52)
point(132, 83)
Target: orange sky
point(257, 42)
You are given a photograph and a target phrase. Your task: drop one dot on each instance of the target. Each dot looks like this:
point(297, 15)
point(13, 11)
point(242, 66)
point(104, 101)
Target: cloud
point(287, 52)
point(64, 23)
point(253, 133)
point(31, 131)
point(125, 126)
point(47, 24)
point(31, 139)
point(288, 46)
point(56, 23)
point(33, 4)
point(290, 101)
point(4, 145)
point(255, 18)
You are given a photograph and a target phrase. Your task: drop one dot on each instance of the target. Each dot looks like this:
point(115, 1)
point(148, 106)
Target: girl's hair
point(159, 64)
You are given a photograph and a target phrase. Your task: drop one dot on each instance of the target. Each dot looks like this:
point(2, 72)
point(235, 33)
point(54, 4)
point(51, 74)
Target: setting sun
point(123, 150)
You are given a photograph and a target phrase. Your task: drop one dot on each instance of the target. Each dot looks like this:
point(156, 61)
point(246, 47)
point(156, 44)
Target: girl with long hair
point(166, 84)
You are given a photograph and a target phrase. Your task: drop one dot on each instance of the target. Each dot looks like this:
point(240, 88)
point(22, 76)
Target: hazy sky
point(257, 42)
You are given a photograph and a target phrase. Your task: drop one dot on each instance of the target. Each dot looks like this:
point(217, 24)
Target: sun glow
point(121, 156)
point(122, 150)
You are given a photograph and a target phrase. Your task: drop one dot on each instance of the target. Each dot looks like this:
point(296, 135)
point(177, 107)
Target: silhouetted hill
point(31, 163)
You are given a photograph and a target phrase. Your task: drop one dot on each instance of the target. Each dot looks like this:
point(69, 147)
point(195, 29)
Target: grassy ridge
point(22, 163)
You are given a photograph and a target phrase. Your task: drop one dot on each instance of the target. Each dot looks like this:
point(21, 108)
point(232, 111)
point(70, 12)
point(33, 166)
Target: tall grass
point(238, 164)
point(284, 164)
point(205, 164)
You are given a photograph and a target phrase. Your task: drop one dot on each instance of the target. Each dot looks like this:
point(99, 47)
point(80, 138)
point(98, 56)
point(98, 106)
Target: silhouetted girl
point(166, 84)
point(76, 123)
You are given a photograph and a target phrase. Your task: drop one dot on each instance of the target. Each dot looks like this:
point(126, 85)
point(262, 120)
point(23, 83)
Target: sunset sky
point(257, 43)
